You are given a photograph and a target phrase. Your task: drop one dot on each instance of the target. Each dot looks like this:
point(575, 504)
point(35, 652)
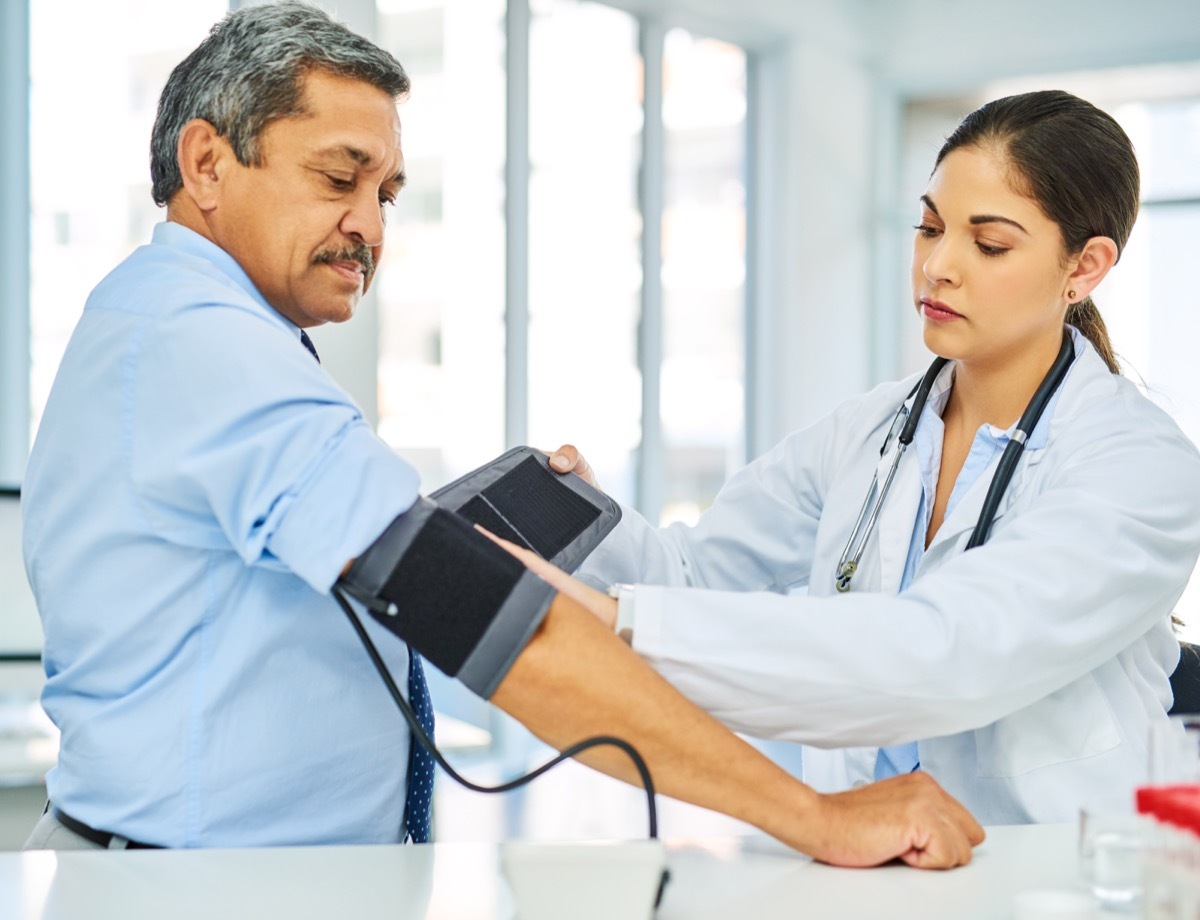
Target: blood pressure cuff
point(460, 600)
point(517, 497)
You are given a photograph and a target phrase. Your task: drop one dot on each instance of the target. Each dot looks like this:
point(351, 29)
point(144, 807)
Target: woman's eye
point(991, 250)
point(927, 230)
point(340, 184)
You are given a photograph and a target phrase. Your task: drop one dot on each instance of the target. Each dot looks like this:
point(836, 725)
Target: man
point(199, 484)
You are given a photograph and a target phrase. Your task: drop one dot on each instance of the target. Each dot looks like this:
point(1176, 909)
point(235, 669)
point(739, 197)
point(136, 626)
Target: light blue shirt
point(197, 484)
point(987, 446)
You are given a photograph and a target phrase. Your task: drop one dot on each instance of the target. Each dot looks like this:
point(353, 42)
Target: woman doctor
point(1020, 666)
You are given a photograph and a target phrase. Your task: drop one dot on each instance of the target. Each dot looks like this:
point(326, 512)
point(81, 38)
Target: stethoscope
point(905, 423)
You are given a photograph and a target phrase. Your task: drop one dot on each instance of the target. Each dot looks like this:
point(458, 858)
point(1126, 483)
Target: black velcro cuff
point(507, 635)
point(460, 600)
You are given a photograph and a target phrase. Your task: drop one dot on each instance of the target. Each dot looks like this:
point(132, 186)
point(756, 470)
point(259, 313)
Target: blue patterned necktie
point(419, 796)
point(307, 343)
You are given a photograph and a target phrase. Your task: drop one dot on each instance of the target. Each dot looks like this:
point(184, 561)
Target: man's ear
point(203, 157)
point(1099, 254)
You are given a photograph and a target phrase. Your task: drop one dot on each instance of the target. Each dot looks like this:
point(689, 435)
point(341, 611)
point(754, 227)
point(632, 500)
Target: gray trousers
point(51, 834)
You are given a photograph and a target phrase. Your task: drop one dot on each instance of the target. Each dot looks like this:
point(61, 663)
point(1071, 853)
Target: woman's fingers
point(568, 459)
point(597, 602)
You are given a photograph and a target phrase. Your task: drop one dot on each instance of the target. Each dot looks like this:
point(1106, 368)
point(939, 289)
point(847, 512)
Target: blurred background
point(668, 231)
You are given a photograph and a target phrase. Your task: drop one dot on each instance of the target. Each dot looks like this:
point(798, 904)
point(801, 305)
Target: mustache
point(359, 253)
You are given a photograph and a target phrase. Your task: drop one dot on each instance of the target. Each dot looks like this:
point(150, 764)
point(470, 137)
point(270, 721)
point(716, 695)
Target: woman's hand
point(598, 603)
point(568, 459)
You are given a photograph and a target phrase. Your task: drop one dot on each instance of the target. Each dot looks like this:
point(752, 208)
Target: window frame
point(15, 251)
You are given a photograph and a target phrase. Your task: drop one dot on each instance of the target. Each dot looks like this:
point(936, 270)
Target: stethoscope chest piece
point(845, 572)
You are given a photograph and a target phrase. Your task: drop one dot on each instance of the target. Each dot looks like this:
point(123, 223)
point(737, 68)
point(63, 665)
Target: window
point(585, 271)
point(1148, 301)
point(644, 371)
point(441, 287)
point(646, 378)
point(87, 216)
point(703, 270)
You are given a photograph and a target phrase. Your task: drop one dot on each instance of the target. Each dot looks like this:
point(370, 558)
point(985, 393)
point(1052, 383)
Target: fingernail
point(558, 461)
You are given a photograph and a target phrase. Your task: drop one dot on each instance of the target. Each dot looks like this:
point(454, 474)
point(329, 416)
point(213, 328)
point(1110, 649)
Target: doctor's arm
point(544, 659)
point(575, 679)
point(1098, 558)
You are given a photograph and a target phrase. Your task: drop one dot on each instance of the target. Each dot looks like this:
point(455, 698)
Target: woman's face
point(987, 271)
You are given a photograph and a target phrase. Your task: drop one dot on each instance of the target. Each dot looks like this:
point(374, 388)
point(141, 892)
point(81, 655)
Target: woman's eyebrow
point(997, 219)
point(977, 218)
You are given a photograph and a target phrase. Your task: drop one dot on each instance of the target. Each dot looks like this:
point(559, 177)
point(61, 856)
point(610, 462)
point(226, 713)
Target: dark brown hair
point(1077, 163)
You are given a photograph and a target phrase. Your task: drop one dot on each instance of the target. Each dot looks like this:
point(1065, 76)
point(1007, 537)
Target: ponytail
point(1085, 317)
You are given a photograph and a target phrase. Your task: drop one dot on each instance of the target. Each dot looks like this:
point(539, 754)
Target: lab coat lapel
point(959, 524)
point(896, 518)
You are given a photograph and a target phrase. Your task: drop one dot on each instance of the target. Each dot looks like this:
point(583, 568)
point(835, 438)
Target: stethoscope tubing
point(1012, 452)
point(1005, 469)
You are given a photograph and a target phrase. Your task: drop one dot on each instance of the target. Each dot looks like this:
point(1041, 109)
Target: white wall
point(939, 47)
point(824, 319)
point(20, 630)
point(14, 237)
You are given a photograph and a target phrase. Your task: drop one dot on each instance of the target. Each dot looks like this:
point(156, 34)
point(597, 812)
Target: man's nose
point(364, 221)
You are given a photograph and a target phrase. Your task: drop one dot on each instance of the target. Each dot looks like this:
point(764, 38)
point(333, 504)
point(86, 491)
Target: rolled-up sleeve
point(262, 452)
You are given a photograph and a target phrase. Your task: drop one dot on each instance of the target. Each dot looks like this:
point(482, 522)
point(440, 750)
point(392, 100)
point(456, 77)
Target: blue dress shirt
point(197, 484)
point(988, 444)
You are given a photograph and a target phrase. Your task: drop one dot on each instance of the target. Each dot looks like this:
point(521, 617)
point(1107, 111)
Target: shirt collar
point(177, 236)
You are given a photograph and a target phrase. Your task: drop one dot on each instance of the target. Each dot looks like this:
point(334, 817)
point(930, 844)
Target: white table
point(714, 878)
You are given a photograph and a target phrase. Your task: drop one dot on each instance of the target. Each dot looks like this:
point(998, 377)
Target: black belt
point(101, 838)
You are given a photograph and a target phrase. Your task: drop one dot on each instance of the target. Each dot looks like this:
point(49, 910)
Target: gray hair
point(250, 71)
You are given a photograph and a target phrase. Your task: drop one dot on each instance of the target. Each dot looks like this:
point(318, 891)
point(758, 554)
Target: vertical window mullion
point(516, 215)
point(14, 242)
point(761, 139)
point(511, 744)
point(650, 329)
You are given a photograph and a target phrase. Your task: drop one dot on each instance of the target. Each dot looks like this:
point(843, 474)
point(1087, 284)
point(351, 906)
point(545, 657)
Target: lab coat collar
point(897, 516)
point(961, 520)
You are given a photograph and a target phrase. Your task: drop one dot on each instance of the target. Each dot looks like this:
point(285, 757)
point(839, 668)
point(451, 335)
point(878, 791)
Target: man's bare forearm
point(575, 679)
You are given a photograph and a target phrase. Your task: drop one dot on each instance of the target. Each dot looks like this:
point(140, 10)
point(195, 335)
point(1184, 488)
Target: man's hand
point(568, 459)
point(908, 817)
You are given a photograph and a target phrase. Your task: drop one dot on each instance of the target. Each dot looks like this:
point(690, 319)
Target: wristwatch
point(625, 597)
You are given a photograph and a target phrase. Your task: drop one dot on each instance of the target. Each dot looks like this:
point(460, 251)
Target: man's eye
point(339, 184)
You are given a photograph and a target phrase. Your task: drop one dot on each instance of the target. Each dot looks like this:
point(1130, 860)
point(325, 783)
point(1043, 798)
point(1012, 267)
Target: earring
point(1071, 296)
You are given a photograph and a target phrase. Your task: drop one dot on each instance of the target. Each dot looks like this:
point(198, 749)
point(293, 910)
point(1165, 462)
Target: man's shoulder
point(157, 278)
point(165, 305)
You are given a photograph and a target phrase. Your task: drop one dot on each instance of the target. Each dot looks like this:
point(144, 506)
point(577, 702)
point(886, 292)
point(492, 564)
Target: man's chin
point(335, 311)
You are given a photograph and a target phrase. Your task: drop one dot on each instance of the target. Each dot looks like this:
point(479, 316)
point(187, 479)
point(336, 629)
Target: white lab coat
point(1028, 669)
